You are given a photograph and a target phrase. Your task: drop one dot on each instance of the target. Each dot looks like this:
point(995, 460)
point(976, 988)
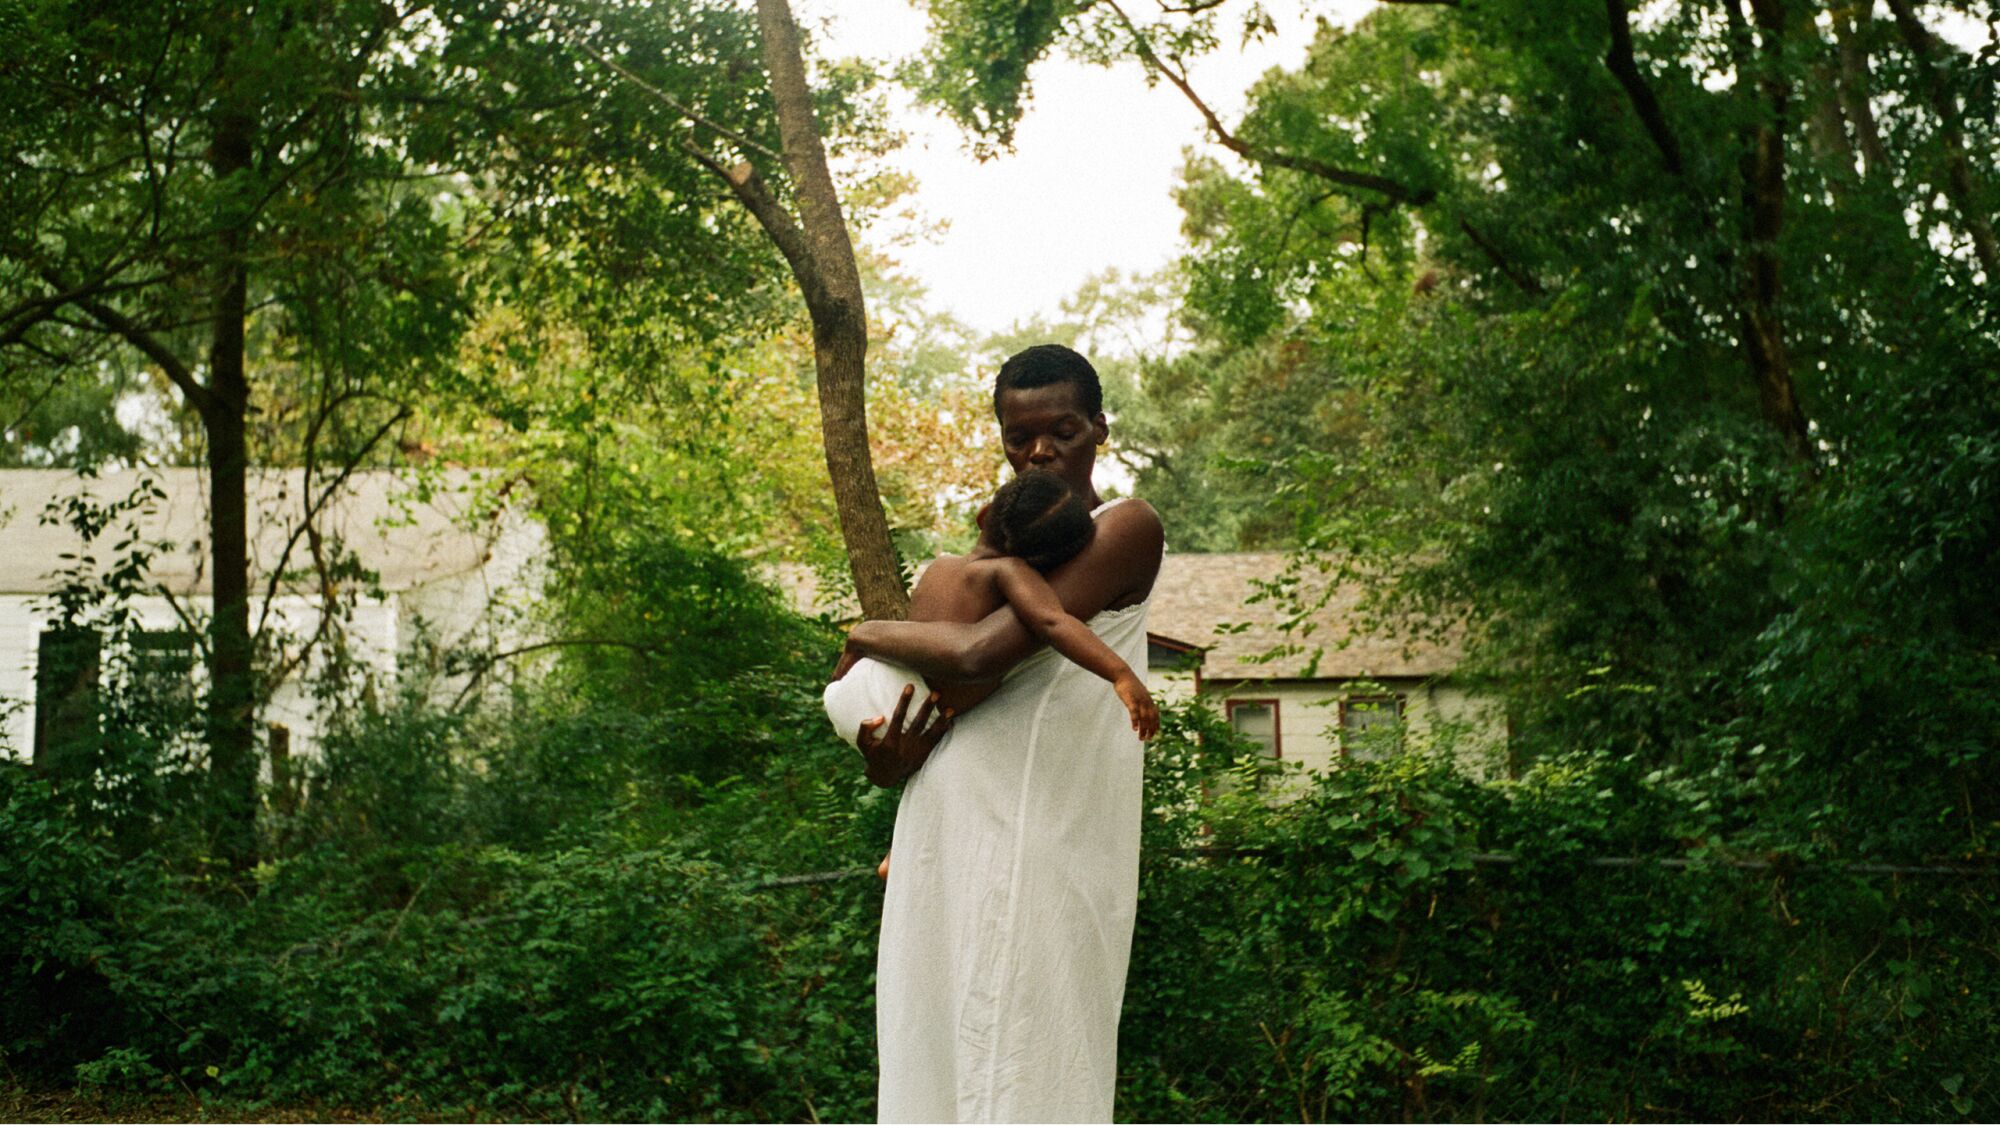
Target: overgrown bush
point(1400, 942)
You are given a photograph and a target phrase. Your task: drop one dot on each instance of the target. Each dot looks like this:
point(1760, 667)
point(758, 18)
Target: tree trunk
point(1850, 26)
point(1764, 175)
point(839, 318)
point(232, 689)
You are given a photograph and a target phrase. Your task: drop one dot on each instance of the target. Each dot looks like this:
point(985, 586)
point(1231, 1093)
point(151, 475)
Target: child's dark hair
point(1038, 518)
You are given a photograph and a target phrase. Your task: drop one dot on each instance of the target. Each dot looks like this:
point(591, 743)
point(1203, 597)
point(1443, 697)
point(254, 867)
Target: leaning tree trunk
point(826, 272)
point(232, 691)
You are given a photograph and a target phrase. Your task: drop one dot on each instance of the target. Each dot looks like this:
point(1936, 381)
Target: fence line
point(1482, 859)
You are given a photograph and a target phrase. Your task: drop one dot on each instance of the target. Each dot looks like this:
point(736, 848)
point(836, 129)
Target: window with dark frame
point(1371, 727)
point(67, 700)
point(1256, 720)
point(163, 665)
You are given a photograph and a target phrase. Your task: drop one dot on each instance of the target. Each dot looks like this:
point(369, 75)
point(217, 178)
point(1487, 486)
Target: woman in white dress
point(1007, 922)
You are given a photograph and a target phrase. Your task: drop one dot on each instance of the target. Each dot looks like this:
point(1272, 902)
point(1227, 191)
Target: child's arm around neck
point(1042, 612)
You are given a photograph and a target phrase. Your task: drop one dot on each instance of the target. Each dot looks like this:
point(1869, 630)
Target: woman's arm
point(1118, 566)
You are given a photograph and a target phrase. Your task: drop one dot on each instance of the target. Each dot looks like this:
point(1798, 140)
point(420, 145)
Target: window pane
point(1257, 722)
point(1370, 728)
point(66, 701)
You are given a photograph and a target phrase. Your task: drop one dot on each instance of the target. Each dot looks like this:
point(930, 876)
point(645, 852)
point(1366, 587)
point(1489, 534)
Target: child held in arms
point(1035, 523)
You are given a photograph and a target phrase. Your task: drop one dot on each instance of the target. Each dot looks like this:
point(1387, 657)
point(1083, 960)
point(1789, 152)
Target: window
point(1371, 726)
point(162, 688)
point(163, 662)
point(66, 700)
point(1256, 720)
point(1163, 655)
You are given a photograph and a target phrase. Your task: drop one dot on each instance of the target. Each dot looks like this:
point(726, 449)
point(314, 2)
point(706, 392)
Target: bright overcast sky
point(1089, 183)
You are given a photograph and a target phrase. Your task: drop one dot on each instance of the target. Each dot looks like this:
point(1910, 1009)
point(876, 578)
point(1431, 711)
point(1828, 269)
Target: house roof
point(1206, 600)
point(1203, 600)
point(406, 536)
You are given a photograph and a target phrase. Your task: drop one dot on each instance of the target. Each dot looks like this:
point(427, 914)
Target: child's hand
point(1138, 701)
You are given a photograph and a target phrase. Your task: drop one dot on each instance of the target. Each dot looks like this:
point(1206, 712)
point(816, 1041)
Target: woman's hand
point(849, 656)
point(898, 750)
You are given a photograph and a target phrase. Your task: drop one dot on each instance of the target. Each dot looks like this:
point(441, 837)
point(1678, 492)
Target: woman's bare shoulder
point(1130, 542)
point(1129, 512)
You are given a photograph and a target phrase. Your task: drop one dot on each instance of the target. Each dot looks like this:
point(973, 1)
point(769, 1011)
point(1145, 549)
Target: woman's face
point(1045, 428)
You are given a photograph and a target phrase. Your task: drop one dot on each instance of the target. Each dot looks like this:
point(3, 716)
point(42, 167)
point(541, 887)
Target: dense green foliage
point(548, 921)
point(1657, 346)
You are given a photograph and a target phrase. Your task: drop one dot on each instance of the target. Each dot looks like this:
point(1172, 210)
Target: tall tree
point(768, 149)
point(194, 182)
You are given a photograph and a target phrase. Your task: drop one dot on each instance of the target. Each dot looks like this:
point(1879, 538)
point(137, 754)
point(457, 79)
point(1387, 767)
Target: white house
point(1343, 689)
point(438, 564)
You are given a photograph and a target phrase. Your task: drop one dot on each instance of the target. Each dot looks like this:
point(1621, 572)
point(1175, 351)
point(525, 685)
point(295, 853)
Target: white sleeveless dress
point(1007, 921)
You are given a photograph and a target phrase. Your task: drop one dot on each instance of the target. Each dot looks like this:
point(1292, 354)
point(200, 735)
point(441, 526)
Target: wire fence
point(1497, 859)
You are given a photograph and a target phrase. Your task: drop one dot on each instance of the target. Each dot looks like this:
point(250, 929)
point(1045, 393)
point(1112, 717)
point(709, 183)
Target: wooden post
point(284, 785)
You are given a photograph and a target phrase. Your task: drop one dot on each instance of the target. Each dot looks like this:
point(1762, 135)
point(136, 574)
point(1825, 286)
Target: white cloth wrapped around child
point(869, 690)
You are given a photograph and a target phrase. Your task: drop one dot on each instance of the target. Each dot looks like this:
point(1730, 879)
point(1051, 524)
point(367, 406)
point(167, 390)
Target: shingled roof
point(378, 516)
point(1204, 600)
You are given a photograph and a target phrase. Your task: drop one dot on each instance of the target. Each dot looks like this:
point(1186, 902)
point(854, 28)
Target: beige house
point(1312, 697)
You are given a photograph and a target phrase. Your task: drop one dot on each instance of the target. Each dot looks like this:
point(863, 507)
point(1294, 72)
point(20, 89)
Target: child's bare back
point(956, 588)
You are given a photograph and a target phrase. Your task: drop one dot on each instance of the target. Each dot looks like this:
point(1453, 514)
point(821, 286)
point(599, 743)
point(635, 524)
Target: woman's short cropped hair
point(1047, 364)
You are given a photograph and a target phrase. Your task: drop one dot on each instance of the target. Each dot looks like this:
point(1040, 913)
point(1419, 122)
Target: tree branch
point(839, 320)
point(1395, 190)
point(687, 112)
point(26, 314)
point(1850, 25)
point(492, 660)
point(175, 368)
point(1958, 172)
point(764, 205)
point(1623, 67)
point(1522, 279)
point(314, 506)
point(1764, 176)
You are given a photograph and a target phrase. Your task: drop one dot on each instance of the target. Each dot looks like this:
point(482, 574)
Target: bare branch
point(175, 368)
point(1395, 190)
point(1619, 59)
point(685, 111)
